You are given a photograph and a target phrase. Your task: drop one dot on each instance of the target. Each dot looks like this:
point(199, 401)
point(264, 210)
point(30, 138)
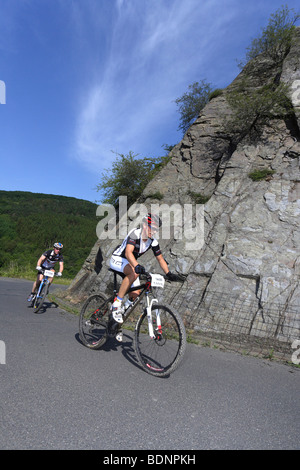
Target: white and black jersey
point(51, 259)
point(140, 246)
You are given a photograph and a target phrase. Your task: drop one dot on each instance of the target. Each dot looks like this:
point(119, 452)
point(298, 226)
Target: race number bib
point(48, 273)
point(157, 280)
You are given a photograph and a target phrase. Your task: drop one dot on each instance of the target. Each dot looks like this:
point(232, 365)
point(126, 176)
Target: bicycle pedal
point(119, 336)
point(112, 328)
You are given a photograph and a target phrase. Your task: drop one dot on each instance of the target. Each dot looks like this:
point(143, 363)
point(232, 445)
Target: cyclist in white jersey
point(124, 260)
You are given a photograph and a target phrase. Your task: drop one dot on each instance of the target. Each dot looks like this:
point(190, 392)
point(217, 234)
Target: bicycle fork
point(39, 290)
point(158, 329)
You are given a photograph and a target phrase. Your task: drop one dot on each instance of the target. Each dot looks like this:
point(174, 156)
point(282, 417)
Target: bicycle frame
point(146, 289)
point(45, 280)
point(159, 333)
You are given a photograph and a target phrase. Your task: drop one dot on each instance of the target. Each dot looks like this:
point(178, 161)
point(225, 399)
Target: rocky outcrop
point(249, 244)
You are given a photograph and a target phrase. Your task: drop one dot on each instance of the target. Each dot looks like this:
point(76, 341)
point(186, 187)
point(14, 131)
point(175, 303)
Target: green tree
point(191, 103)
point(252, 108)
point(128, 176)
point(275, 39)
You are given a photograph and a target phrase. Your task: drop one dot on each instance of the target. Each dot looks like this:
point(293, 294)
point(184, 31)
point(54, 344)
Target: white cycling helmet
point(152, 220)
point(58, 245)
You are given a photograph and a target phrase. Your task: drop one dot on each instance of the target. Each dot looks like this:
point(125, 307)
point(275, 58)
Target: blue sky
point(87, 78)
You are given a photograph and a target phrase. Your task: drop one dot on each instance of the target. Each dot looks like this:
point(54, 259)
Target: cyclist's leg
point(122, 265)
point(134, 294)
point(130, 279)
point(50, 279)
point(36, 284)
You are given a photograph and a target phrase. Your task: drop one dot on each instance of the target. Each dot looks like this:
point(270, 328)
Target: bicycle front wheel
point(40, 297)
point(93, 320)
point(160, 355)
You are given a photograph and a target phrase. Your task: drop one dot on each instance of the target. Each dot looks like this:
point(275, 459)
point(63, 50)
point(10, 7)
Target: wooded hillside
point(31, 222)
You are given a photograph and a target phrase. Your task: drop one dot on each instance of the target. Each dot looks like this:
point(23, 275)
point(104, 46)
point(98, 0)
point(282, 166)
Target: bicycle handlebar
point(181, 277)
point(42, 271)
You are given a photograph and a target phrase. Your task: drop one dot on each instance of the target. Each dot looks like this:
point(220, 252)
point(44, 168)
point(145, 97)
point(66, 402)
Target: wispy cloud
point(87, 77)
point(152, 52)
point(146, 65)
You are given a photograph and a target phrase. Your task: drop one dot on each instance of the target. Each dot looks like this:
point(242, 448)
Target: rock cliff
point(245, 267)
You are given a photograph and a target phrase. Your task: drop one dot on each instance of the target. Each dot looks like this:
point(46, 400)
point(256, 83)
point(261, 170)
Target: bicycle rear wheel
point(40, 297)
point(93, 320)
point(161, 354)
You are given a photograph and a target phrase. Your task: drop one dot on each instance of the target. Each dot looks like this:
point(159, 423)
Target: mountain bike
point(42, 290)
point(159, 332)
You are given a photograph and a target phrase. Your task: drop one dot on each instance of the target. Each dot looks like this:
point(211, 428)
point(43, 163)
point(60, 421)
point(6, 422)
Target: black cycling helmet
point(152, 220)
point(58, 245)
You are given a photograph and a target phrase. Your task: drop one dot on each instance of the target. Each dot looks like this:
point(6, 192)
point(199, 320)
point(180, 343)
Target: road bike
point(42, 290)
point(159, 332)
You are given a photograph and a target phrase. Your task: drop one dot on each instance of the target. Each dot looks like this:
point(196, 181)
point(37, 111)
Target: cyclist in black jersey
point(47, 261)
point(124, 260)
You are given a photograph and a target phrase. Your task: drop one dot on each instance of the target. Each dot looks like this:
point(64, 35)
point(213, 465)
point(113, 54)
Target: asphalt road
point(57, 394)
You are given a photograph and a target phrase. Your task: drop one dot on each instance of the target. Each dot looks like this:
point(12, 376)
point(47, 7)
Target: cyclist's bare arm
point(41, 260)
point(130, 256)
point(163, 264)
point(61, 266)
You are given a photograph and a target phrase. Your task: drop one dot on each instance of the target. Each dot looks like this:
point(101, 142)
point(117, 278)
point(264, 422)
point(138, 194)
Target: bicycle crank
point(112, 327)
